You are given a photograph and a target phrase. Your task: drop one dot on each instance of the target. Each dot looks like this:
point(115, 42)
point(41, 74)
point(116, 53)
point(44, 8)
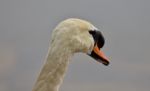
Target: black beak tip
point(106, 63)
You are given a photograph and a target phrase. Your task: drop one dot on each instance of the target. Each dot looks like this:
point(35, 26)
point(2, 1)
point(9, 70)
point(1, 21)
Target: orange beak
point(101, 55)
point(96, 53)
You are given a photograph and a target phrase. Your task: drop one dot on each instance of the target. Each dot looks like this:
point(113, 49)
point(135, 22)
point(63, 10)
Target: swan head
point(76, 35)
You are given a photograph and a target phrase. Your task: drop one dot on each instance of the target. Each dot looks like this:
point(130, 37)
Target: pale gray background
point(25, 29)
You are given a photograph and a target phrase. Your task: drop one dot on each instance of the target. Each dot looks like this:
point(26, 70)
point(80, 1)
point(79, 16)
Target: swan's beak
point(96, 53)
point(99, 56)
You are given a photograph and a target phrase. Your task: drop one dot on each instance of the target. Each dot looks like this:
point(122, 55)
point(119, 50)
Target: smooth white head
point(76, 35)
point(73, 34)
point(69, 37)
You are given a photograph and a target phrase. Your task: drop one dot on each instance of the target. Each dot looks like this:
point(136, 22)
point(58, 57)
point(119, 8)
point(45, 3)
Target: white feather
point(69, 37)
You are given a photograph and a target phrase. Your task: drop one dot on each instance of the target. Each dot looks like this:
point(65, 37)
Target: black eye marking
point(92, 32)
point(98, 38)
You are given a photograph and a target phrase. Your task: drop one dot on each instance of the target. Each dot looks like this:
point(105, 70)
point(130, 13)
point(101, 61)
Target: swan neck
point(54, 69)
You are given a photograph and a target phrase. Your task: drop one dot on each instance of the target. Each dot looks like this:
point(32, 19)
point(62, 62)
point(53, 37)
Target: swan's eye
point(98, 38)
point(92, 32)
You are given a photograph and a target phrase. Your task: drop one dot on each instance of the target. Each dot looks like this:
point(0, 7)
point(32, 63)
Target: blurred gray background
point(25, 29)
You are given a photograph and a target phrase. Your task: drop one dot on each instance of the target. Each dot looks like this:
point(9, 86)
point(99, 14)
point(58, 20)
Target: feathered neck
point(53, 71)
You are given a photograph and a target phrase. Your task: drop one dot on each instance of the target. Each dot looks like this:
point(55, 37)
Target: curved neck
point(53, 71)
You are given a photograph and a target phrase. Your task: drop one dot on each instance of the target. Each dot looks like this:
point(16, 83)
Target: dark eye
point(92, 32)
point(98, 38)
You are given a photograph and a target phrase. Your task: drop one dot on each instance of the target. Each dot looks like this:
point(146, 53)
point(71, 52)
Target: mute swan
point(69, 37)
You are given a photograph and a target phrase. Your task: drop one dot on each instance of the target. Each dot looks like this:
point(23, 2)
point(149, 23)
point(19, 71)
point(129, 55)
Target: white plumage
point(69, 37)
